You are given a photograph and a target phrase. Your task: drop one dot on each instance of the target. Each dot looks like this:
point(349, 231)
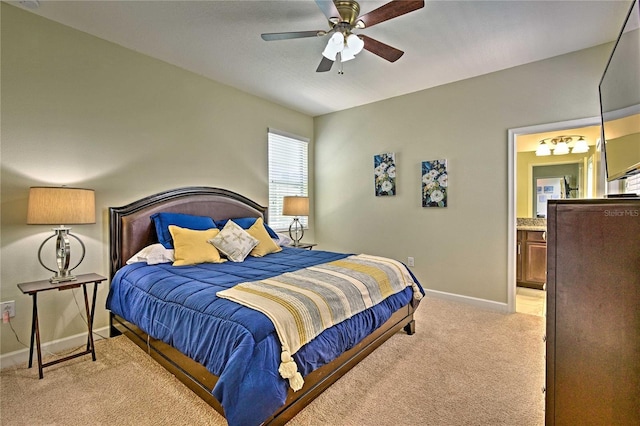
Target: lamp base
point(57, 279)
point(296, 231)
point(63, 255)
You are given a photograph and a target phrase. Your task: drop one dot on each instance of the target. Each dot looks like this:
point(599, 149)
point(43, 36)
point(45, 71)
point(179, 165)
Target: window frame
point(284, 180)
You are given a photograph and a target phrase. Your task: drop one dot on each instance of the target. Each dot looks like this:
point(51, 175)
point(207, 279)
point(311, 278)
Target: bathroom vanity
point(531, 253)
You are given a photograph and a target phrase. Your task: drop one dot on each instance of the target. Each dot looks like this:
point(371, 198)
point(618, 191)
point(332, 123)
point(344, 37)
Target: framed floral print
point(385, 174)
point(434, 183)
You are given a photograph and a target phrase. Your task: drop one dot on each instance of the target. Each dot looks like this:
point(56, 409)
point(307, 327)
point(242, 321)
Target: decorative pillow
point(192, 246)
point(284, 240)
point(188, 221)
point(152, 255)
point(266, 244)
point(234, 242)
point(246, 223)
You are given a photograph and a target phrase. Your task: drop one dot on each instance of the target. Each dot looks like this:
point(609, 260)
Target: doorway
point(514, 210)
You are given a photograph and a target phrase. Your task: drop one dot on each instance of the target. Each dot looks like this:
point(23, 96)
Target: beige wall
point(460, 249)
point(80, 111)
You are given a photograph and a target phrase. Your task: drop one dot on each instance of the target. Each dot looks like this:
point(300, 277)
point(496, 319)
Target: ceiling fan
point(343, 19)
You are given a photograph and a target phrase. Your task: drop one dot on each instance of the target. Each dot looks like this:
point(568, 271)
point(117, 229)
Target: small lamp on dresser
point(295, 206)
point(61, 206)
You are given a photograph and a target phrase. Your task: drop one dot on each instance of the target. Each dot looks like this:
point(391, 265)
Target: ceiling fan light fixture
point(343, 17)
point(351, 47)
point(337, 41)
point(329, 54)
point(346, 54)
point(334, 45)
point(355, 43)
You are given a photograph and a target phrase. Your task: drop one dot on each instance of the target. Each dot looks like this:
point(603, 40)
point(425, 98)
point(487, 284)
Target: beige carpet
point(464, 366)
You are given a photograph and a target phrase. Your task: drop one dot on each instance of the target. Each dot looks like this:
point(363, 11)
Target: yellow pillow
point(266, 244)
point(192, 247)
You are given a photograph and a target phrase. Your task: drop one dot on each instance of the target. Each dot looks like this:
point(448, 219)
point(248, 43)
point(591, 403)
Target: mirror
point(555, 181)
point(620, 102)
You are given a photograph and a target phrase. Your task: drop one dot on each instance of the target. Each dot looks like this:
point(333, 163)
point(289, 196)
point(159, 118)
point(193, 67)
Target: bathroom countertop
point(531, 228)
point(531, 224)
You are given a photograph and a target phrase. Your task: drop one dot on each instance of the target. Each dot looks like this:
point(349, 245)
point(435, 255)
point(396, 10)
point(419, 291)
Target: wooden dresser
point(593, 312)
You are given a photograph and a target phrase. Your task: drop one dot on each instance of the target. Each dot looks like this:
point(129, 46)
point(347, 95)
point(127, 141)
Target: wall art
point(434, 183)
point(385, 174)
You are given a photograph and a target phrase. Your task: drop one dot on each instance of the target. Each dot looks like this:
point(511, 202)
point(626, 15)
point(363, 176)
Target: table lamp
point(61, 206)
point(295, 206)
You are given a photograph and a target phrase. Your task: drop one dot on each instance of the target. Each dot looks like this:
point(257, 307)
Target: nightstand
point(35, 287)
point(308, 246)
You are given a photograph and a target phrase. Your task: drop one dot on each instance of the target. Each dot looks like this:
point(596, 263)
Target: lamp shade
point(351, 48)
point(334, 45)
point(562, 148)
point(580, 147)
point(61, 206)
point(543, 150)
point(295, 206)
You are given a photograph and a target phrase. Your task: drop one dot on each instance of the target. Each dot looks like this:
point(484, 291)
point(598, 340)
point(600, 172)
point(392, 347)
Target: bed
point(150, 304)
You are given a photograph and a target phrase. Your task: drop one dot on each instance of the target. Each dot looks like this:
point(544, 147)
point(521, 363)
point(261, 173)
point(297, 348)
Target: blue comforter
point(179, 306)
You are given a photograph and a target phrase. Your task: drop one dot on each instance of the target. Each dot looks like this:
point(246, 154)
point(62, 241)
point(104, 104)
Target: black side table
point(35, 287)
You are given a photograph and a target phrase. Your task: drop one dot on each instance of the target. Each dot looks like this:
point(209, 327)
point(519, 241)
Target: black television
point(619, 92)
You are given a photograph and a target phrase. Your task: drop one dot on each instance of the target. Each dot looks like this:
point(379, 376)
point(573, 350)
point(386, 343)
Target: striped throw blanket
point(304, 303)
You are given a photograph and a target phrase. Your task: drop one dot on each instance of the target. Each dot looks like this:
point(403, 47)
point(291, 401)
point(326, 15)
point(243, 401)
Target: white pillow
point(152, 255)
point(283, 240)
point(234, 242)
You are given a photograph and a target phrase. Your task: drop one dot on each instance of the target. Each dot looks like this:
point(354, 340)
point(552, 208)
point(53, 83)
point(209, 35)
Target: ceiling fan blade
point(385, 51)
point(329, 8)
point(325, 65)
point(390, 10)
point(291, 35)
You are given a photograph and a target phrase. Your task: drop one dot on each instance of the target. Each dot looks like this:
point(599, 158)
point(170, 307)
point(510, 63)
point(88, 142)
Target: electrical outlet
point(10, 307)
point(410, 261)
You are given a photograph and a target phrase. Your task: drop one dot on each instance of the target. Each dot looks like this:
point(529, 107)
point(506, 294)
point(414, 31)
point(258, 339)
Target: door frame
point(512, 152)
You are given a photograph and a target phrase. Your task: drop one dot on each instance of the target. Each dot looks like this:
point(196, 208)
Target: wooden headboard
point(131, 229)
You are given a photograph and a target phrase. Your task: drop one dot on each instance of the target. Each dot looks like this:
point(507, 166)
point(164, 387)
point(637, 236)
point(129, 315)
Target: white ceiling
point(445, 41)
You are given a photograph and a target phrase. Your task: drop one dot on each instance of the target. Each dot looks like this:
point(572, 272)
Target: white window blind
point(288, 174)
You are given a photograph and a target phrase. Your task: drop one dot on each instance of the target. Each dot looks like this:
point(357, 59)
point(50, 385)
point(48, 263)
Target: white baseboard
point(21, 356)
point(474, 301)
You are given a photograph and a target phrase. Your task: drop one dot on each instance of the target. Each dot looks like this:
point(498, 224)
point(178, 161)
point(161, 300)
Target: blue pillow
point(246, 223)
point(163, 220)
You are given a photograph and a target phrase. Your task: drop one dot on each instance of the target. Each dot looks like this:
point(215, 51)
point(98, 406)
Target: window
point(288, 174)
